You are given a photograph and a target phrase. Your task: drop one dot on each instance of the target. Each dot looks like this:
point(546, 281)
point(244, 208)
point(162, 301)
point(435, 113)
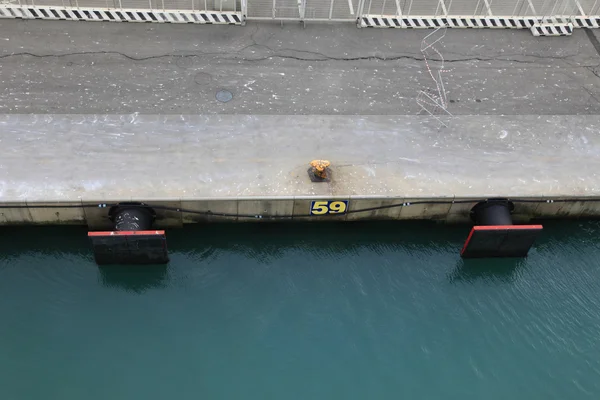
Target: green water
point(318, 311)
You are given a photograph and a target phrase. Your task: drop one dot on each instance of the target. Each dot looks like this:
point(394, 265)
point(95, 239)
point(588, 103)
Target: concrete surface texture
point(95, 111)
point(146, 157)
point(330, 69)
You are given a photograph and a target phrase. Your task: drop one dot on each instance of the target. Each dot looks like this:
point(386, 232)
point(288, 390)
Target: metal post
point(544, 11)
point(409, 7)
point(568, 8)
point(302, 9)
point(359, 11)
point(553, 11)
point(579, 7)
point(444, 10)
point(475, 12)
point(487, 5)
point(571, 10)
point(516, 6)
point(331, 9)
point(398, 9)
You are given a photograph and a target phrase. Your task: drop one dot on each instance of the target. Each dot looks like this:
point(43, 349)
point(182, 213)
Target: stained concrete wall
point(172, 213)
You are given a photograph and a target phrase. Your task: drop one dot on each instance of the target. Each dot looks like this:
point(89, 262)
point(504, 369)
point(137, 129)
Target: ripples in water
point(359, 310)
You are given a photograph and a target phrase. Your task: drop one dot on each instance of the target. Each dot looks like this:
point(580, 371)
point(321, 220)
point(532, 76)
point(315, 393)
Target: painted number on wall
point(328, 207)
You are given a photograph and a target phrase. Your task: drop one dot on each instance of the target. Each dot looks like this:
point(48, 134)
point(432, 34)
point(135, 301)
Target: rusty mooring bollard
point(319, 171)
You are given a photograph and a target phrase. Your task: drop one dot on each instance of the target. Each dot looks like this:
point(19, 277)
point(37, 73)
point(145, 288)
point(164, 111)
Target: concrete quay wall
point(177, 212)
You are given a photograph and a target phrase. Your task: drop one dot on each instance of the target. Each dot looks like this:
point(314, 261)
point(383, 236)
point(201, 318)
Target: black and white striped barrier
point(552, 30)
point(586, 22)
point(383, 21)
point(554, 26)
point(121, 15)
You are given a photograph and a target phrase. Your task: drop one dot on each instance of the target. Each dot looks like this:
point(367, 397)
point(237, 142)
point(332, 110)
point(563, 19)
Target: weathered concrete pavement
point(114, 112)
point(121, 68)
point(72, 157)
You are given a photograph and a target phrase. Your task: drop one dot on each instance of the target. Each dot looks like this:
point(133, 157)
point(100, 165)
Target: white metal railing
point(334, 10)
point(157, 5)
point(315, 10)
point(542, 8)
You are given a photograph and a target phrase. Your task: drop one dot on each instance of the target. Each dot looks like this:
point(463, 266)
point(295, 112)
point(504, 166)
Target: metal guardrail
point(390, 13)
point(307, 10)
point(120, 15)
point(154, 5)
point(343, 10)
point(352, 10)
point(507, 8)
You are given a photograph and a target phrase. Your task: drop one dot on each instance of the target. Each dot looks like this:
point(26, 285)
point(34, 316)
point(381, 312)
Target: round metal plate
point(224, 96)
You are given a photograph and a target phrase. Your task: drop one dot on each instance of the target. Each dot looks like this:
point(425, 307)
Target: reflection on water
point(267, 242)
point(51, 240)
point(137, 278)
point(502, 269)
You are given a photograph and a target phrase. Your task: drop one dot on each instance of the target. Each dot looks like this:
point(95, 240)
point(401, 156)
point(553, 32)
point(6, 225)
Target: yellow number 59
point(328, 207)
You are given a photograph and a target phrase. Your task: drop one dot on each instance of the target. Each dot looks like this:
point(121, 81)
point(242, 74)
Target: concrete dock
point(95, 114)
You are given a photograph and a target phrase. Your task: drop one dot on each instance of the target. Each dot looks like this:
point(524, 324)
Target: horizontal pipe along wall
point(173, 213)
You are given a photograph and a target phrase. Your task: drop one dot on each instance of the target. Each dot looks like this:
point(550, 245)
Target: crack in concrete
point(592, 69)
point(278, 54)
point(400, 57)
point(117, 53)
point(323, 58)
point(592, 95)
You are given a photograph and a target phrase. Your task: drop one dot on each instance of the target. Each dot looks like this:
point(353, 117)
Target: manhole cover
point(224, 96)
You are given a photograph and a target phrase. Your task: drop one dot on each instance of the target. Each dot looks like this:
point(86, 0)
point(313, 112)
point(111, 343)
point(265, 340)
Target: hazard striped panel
point(586, 22)
point(552, 30)
point(121, 15)
point(383, 21)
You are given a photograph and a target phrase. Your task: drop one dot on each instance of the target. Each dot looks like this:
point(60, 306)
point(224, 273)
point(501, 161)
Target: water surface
point(315, 311)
